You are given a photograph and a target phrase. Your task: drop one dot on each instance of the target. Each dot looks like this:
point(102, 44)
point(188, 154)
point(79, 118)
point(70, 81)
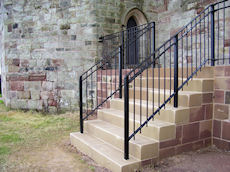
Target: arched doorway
point(132, 43)
point(134, 17)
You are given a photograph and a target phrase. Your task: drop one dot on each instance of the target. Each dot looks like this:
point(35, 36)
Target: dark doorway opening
point(132, 43)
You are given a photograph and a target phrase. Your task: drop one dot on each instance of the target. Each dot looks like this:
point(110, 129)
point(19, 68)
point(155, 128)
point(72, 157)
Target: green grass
point(19, 130)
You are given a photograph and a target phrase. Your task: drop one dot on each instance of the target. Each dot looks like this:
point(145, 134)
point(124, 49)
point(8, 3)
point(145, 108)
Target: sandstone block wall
point(221, 119)
point(46, 45)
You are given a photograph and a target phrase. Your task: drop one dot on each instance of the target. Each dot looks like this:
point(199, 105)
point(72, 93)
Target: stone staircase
point(103, 138)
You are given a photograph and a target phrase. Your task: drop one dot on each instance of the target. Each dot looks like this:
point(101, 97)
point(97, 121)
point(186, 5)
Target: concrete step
point(185, 98)
point(103, 153)
point(142, 147)
point(196, 84)
point(206, 72)
point(156, 129)
point(170, 114)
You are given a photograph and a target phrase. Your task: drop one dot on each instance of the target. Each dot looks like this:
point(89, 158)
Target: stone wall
point(221, 119)
point(48, 44)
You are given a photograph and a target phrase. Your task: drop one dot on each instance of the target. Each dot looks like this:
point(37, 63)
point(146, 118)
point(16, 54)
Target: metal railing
point(147, 90)
point(104, 79)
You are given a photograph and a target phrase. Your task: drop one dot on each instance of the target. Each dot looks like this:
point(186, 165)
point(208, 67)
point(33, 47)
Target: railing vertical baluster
point(81, 104)
point(212, 36)
point(223, 33)
point(191, 51)
point(120, 70)
point(153, 43)
point(176, 71)
point(126, 119)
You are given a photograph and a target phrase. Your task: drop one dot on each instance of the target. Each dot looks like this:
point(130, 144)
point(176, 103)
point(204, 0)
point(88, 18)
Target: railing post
point(176, 70)
point(80, 104)
point(212, 35)
point(153, 42)
point(126, 119)
point(120, 70)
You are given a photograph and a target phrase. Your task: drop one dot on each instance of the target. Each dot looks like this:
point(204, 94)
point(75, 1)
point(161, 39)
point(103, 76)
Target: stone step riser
point(194, 85)
point(168, 115)
point(154, 132)
point(84, 144)
point(183, 99)
point(204, 73)
point(145, 152)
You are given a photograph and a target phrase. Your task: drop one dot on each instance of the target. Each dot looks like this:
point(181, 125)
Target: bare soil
point(204, 160)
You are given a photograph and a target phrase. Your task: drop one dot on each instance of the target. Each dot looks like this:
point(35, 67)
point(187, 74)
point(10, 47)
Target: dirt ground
point(53, 157)
point(62, 157)
point(204, 160)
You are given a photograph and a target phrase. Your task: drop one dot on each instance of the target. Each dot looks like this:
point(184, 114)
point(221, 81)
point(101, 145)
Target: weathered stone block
point(47, 86)
point(23, 94)
point(32, 85)
point(47, 95)
point(35, 104)
point(35, 95)
point(19, 104)
point(51, 76)
point(68, 94)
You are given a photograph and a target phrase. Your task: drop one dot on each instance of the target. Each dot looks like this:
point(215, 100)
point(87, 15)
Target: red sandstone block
point(163, 153)
point(227, 70)
point(169, 143)
point(17, 86)
point(197, 113)
point(208, 111)
point(219, 71)
point(198, 145)
point(190, 132)
point(17, 77)
point(37, 77)
point(216, 128)
point(208, 142)
point(184, 148)
point(52, 102)
point(227, 43)
point(205, 129)
point(221, 111)
point(226, 130)
point(221, 144)
point(219, 96)
point(207, 98)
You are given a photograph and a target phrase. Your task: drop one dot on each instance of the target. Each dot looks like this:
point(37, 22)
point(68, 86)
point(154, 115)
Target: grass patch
point(28, 130)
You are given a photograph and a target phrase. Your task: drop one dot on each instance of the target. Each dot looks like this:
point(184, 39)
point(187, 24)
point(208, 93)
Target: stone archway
point(137, 14)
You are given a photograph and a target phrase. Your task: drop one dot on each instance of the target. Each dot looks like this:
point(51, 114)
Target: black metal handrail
point(197, 44)
point(107, 73)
